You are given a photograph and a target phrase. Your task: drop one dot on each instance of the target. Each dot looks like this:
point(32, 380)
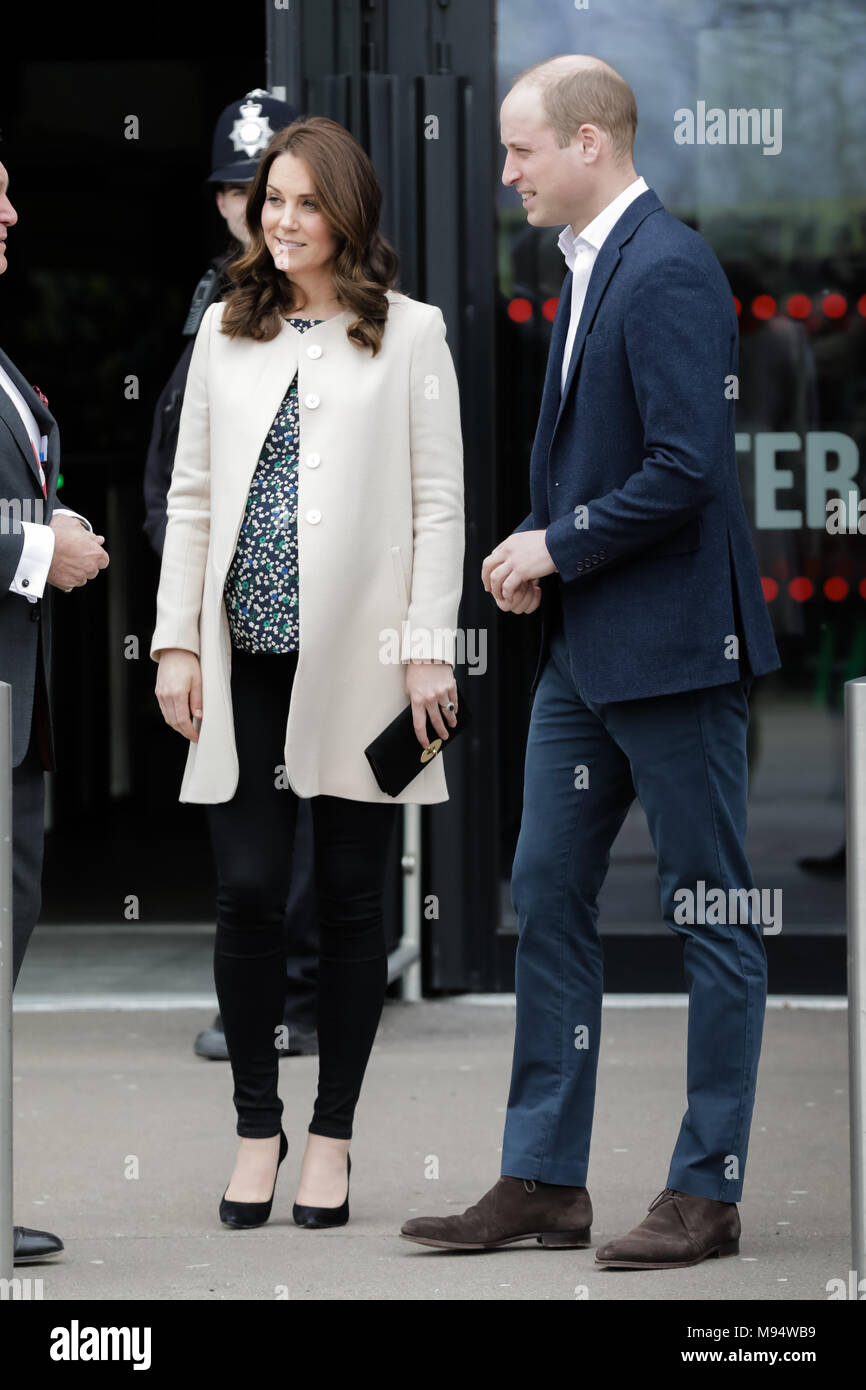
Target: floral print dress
point(261, 589)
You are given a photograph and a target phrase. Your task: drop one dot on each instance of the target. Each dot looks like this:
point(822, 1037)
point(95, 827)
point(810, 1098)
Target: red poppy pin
point(43, 399)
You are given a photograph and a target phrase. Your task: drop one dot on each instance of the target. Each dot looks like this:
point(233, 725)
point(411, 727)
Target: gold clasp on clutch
point(431, 750)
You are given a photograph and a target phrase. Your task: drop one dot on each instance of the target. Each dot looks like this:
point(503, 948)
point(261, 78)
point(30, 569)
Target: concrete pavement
point(124, 1141)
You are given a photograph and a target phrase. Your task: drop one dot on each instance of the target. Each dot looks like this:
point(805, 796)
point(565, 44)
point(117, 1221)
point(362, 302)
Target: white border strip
point(675, 1001)
point(143, 1003)
point(103, 1003)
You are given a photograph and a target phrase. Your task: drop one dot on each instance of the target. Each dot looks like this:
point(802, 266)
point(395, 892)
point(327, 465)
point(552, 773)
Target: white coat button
point(313, 460)
point(314, 350)
point(314, 517)
point(311, 400)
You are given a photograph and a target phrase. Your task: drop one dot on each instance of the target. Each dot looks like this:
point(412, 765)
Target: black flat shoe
point(313, 1218)
point(31, 1247)
point(244, 1215)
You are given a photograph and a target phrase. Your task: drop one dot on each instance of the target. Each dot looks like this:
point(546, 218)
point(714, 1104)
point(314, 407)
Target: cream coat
point(380, 536)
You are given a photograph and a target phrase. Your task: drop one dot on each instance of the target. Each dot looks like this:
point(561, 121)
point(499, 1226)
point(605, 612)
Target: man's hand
point(79, 555)
point(429, 685)
point(525, 599)
point(511, 570)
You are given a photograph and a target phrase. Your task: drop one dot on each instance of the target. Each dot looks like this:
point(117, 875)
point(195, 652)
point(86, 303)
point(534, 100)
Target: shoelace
point(662, 1197)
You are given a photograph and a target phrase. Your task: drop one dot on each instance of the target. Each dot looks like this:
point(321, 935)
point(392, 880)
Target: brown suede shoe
point(515, 1209)
point(680, 1230)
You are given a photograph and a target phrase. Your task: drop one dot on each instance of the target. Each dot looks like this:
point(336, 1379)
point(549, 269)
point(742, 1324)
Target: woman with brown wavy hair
point(315, 510)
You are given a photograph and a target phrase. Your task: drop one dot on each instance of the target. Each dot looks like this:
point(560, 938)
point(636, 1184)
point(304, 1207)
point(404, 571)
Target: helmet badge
point(252, 131)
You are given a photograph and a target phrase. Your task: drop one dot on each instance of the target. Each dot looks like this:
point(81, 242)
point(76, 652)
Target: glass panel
point(750, 130)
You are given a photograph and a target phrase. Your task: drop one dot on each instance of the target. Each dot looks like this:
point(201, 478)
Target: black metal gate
point(413, 82)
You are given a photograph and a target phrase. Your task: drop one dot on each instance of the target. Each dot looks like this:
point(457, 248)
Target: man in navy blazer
point(654, 628)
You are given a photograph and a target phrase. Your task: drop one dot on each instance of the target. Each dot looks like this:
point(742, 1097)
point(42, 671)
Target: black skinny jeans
point(253, 837)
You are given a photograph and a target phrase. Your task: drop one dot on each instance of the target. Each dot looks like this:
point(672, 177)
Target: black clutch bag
point(397, 757)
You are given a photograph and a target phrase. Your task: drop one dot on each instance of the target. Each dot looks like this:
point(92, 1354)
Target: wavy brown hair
point(365, 265)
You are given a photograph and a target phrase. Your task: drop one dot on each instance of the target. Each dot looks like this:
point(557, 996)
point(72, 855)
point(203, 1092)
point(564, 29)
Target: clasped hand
point(511, 571)
point(79, 554)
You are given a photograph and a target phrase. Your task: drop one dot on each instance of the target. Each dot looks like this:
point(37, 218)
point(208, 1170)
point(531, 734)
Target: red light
point(799, 306)
point(520, 310)
point(862, 588)
point(739, 308)
point(801, 589)
point(549, 308)
point(764, 306)
point(836, 589)
point(861, 305)
point(835, 306)
point(771, 589)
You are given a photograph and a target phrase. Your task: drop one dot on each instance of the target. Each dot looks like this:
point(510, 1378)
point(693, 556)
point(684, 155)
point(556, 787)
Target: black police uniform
point(166, 416)
point(242, 133)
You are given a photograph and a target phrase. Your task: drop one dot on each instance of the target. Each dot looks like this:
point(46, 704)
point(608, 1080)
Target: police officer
point(242, 134)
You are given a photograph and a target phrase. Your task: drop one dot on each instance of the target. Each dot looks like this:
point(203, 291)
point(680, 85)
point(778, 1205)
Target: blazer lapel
point(548, 410)
point(606, 263)
point(12, 420)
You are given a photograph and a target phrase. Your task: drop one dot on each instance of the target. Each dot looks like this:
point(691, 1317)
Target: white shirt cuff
point(70, 512)
point(35, 562)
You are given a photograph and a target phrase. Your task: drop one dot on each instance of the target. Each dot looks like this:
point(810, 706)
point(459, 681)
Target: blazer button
point(313, 460)
point(579, 565)
point(34, 613)
point(314, 350)
point(311, 400)
point(314, 517)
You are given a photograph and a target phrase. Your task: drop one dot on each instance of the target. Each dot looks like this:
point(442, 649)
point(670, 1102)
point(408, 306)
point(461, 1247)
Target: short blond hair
point(595, 93)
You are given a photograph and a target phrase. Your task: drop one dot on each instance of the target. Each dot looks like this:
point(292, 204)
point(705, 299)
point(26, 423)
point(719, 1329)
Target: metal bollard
point(410, 943)
point(855, 826)
point(6, 1240)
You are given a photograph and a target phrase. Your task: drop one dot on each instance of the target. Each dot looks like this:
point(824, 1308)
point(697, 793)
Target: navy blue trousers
point(684, 756)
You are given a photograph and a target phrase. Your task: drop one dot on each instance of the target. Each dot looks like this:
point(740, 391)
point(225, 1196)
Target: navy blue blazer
point(633, 473)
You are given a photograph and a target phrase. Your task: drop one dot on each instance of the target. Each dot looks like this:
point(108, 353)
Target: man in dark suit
point(43, 545)
point(654, 627)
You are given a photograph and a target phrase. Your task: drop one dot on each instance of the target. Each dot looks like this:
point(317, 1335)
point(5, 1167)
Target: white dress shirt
point(580, 252)
point(38, 549)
